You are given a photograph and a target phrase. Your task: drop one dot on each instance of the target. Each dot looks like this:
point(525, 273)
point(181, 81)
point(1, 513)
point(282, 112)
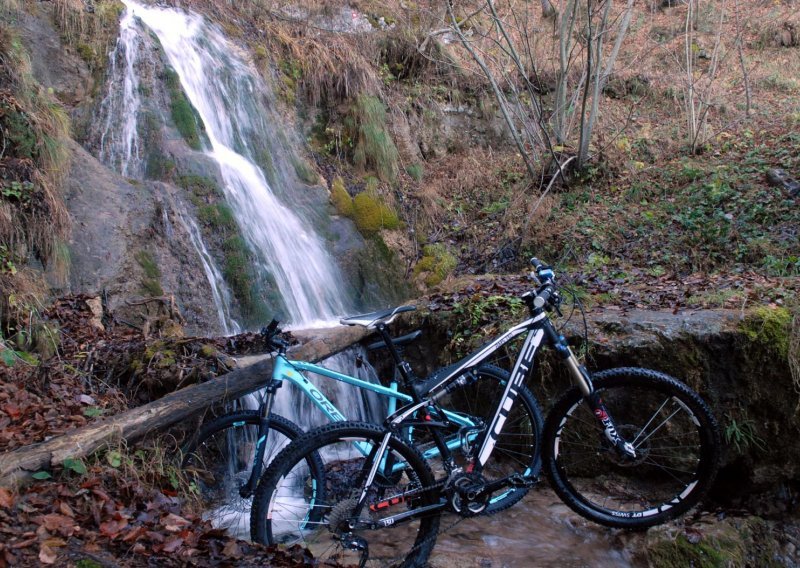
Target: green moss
point(208, 351)
point(770, 327)
point(437, 262)
point(151, 284)
point(199, 186)
point(371, 215)
point(238, 272)
point(305, 171)
point(183, 114)
point(86, 52)
point(218, 217)
point(159, 166)
point(374, 147)
point(152, 287)
point(341, 198)
point(416, 171)
point(680, 553)
point(148, 263)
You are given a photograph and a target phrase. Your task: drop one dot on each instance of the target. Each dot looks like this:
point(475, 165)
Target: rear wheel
point(299, 503)
point(219, 460)
point(674, 434)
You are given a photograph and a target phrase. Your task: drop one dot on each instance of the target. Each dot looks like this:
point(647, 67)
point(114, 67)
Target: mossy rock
point(371, 215)
point(437, 262)
point(341, 198)
point(183, 113)
point(769, 327)
point(680, 552)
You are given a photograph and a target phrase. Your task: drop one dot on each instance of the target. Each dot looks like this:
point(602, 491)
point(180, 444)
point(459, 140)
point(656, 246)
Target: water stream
point(219, 288)
point(120, 147)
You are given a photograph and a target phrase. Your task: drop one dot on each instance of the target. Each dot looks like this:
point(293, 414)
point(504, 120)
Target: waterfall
point(219, 289)
point(233, 105)
point(119, 111)
point(242, 136)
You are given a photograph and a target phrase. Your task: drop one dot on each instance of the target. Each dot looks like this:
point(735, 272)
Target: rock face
point(127, 245)
point(53, 64)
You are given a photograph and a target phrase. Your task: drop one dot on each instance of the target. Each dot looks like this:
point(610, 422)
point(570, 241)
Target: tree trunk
point(17, 466)
point(548, 10)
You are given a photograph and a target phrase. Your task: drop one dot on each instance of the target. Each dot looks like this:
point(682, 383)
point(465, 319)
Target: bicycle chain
point(434, 537)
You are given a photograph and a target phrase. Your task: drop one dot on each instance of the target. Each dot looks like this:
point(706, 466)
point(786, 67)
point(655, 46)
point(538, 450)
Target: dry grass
point(34, 160)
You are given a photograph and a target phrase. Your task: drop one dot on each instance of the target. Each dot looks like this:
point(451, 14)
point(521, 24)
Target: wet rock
point(54, 65)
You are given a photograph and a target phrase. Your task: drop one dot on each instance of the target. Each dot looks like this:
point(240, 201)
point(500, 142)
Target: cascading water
point(119, 143)
point(234, 107)
point(219, 289)
point(232, 103)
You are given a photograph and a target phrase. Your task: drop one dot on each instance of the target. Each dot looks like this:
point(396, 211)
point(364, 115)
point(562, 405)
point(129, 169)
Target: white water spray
point(119, 143)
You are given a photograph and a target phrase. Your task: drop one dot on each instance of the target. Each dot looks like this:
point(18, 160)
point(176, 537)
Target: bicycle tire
point(294, 504)
point(676, 466)
point(220, 458)
point(519, 445)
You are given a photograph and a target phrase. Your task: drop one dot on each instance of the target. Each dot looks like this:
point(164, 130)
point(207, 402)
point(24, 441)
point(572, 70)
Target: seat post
point(405, 369)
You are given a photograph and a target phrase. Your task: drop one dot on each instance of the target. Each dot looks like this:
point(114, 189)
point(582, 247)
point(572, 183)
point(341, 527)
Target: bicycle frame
point(539, 328)
point(292, 371)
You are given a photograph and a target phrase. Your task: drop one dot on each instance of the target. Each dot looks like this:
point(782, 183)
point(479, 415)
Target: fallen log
point(17, 466)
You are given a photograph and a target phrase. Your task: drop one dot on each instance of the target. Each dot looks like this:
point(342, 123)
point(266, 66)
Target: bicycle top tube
point(285, 369)
point(432, 388)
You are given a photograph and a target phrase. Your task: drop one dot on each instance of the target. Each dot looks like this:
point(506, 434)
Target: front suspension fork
point(581, 378)
point(247, 489)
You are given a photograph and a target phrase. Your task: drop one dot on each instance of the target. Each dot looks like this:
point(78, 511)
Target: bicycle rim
point(673, 434)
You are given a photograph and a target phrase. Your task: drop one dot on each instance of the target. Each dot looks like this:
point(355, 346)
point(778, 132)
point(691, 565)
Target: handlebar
point(546, 295)
point(270, 333)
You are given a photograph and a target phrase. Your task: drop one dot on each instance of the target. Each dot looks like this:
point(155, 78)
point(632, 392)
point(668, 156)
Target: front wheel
point(219, 459)
point(676, 442)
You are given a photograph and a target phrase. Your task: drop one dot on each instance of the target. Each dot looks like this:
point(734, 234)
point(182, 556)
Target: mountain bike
point(226, 458)
point(624, 447)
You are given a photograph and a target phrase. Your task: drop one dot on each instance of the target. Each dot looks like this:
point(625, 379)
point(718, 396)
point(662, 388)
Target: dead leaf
point(63, 524)
point(6, 498)
point(47, 555)
point(172, 544)
point(134, 533)
point(66, 510)
point(174, 523)
point(232, 549)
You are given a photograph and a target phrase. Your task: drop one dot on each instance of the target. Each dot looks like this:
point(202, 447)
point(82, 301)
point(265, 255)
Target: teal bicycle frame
point(291, 371)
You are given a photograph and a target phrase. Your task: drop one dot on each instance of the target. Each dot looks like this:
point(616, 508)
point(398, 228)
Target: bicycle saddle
point(374, 318)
